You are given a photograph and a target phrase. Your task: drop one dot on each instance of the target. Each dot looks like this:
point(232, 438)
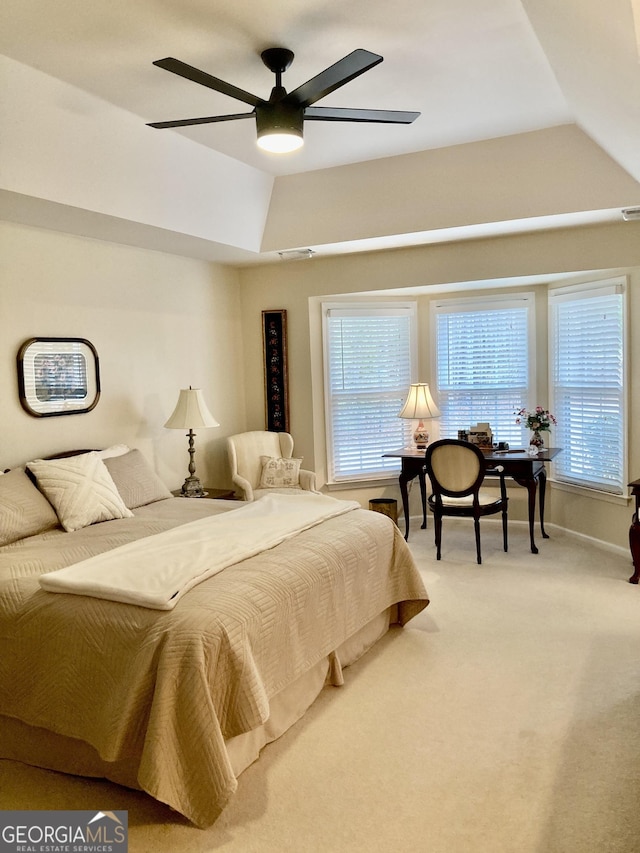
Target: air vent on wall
point(630, 213)
point(296, 254)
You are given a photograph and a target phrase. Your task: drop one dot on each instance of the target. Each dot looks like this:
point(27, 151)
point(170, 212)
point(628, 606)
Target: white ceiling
point(475, 69)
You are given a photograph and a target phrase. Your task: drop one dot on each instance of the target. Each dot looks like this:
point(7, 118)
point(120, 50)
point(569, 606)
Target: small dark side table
point(634, 533)
point(212, 494)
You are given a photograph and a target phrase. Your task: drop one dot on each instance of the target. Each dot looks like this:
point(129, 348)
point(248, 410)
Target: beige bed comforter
point(167, 687)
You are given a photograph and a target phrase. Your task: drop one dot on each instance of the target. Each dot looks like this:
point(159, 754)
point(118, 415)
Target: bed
point(177, 699)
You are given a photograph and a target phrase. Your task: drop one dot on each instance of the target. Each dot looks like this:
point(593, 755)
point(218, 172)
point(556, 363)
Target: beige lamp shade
point(420, 406)
point(419, 403)
point(191, 411)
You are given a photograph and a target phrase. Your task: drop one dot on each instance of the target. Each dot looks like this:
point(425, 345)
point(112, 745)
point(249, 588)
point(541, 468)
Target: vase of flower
point(537, 440)
point(538, 421)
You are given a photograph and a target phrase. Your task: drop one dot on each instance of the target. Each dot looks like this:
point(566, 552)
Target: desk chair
point(457, 470)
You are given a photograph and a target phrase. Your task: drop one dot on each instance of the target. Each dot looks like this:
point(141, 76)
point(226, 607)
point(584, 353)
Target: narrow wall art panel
point(276, 379)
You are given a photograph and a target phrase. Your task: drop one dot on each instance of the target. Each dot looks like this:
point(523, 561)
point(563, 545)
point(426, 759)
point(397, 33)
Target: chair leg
point(437, 527)
point(504, 530)
point(476, 524)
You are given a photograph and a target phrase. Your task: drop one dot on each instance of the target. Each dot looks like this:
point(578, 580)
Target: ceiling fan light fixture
point(279, 127)
point(280, 141)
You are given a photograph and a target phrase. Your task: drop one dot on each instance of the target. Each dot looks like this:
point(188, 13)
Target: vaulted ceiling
point(499, 84)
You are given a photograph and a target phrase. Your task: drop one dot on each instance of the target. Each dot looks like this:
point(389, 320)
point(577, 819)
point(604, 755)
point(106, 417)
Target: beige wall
point(158, 322)
point(298, 286)
point(511, 178)
point(102, 167)
point(161, 322)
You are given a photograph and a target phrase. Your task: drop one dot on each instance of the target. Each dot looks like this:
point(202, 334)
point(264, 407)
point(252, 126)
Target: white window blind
point(587, 364)
point(484, 363)
point(369, 357)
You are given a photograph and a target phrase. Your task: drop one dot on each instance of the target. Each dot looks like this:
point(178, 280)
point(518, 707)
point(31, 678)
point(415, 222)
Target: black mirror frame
point(62, 403)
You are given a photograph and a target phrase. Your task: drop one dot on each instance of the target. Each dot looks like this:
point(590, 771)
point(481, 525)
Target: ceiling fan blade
point(186, 122)
point(197, 76)
point(332, 78)
point(346, 114)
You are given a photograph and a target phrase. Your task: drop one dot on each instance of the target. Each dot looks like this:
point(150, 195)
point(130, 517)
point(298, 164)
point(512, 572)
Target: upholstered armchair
point(263, 463)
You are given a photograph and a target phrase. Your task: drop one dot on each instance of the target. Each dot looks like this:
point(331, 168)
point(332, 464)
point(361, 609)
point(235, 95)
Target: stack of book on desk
point(480, 434)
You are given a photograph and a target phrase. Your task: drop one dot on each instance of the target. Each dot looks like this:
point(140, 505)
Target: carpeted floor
point(503, 719)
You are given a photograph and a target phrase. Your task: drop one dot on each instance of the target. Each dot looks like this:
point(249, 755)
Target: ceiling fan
point(279, 121)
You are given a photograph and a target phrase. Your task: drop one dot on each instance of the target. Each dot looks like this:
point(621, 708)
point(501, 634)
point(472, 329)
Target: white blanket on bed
point(156, 571)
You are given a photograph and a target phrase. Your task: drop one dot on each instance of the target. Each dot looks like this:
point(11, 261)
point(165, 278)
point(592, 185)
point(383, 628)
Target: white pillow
point(278, 473)
point(80, 489)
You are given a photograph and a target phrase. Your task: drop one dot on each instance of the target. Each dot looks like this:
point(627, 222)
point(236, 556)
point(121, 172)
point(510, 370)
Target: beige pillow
point(278, 473)
point(135, 480)
point(114, 450)
point(24, 511)
point(80, 490)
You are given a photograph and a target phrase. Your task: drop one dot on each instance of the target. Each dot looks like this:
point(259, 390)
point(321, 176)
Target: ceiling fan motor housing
point(279, 117)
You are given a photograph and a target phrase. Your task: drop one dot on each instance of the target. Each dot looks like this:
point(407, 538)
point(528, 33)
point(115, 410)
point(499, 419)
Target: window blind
point(484, 363)
point(588, 386)
point(368, 369)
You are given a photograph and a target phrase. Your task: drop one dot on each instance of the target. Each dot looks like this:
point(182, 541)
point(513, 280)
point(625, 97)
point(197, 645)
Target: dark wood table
point(634, 533)
point(211, 494)
point(527, 471)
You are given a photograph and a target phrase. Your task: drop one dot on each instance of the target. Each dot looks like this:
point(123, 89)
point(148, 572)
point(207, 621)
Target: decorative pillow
point(278, 473)
point(114, 450)
point(24, 511)
point(80, 489)
point(136, 481)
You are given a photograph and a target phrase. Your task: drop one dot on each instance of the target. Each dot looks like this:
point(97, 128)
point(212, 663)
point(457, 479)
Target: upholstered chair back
point(246, 452)
point(456, 467)
point(249, 447)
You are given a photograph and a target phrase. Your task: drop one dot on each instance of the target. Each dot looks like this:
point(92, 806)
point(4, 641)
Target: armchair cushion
point(278, 473)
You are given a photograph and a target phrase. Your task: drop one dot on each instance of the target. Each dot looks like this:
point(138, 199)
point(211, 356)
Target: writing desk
point(527, 471)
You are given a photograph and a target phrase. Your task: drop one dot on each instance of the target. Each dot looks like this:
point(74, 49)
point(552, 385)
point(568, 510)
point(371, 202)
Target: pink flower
point(538, 419)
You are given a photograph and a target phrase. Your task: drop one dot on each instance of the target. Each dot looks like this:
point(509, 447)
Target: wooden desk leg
point(531, 485)
point(403, 480)
point(423, 495)
point(542, 484)
point(634, 544)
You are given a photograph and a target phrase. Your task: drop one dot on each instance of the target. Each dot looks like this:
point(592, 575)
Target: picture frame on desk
point(481, 436)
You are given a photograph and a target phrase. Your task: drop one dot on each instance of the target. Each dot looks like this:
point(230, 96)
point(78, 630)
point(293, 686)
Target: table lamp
point(191, 413)
point(420, 406)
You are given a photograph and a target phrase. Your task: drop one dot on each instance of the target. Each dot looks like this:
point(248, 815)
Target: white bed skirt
point(42, 748)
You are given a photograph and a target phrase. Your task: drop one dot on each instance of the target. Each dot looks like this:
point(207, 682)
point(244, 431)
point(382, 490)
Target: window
point(587, 364)
point(484, 363)
point(369, 364)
